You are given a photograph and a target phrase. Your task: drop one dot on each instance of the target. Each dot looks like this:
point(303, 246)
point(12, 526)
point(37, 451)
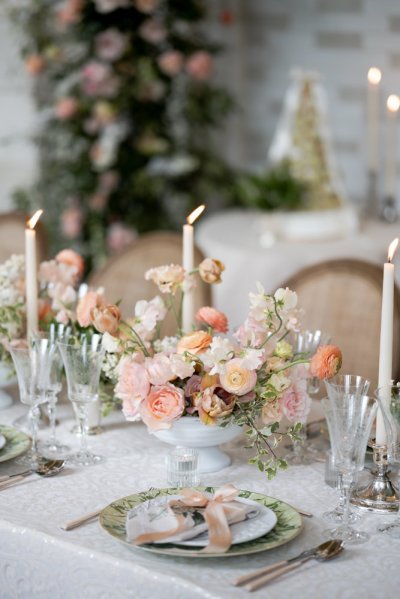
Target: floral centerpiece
point(12, 304)
point(252, 379)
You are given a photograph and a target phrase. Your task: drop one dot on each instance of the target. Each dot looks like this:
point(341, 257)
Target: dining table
point(38, 559)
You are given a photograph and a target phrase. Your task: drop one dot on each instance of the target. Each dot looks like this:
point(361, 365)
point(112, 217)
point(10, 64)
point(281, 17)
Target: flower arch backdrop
point(126, 109)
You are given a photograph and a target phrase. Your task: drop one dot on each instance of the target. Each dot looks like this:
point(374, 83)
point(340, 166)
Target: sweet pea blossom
point(110, 343)
point(219, 352)
point(149, 313)
point(181, 367)
point(251, 358)
point(159, 369)
point(168, 278)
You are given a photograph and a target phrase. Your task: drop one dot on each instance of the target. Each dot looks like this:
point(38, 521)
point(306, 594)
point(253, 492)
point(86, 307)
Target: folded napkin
point(175, 520)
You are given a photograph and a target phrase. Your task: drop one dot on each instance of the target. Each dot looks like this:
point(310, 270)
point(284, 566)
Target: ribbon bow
point(220, 510)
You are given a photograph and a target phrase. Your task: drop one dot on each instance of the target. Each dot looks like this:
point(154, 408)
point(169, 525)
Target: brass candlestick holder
point(381, 495)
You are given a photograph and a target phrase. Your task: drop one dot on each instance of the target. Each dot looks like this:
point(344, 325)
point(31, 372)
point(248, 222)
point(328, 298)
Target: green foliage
point(277, 189)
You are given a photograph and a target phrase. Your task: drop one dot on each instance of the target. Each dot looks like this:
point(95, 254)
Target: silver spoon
point(45, 469)
point(325, 551)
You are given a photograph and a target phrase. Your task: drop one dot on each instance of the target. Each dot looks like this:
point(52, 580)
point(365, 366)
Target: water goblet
point(340, 385)
point(349, 425)
point(82, 361)
point(52, 447)
point(32, 365)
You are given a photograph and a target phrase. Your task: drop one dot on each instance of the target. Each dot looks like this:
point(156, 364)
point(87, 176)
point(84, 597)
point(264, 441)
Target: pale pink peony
point(153, 31)
point(66, 108)
point(110, 44)
point(212, 318)
point(236, 379)
point(163, 405)
point(171, 62)
point(194, 343)
point(71, 258)
point(92, 299)
point(199, 65)
point(133, 385)
point(159, 369)
point(295, 402)
point(326, 362)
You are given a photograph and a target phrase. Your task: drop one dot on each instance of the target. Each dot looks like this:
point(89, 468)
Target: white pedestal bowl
point(190, 432)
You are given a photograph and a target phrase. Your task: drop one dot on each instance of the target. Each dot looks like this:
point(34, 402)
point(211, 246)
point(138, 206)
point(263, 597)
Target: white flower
point(260, 304)
point(251, 359)
point(220, 351)
point(287, 298)
point(166, 345)
point(279, 381)
point(168, 278)
point(111, 344)
point(181, 367)
point(149, 313)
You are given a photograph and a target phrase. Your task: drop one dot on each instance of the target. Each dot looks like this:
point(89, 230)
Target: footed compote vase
point(190, 432)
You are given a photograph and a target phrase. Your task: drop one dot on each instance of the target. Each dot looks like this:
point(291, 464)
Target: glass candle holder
point(182, 469)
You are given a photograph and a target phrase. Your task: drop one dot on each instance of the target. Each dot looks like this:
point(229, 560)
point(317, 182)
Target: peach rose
point(213, 318)
point(236, 379)
point(163, 405)
point(71, 258)
point(213, 403)
point(194, 343)
point(210, 270)
point(34, 64)
point(326, 362)
point(106, 319)
point(92, 299)
point(133, 386)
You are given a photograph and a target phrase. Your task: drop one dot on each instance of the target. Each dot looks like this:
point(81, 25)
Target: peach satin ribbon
point(219, 511)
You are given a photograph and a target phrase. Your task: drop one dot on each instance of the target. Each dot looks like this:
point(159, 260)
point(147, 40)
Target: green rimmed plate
point(17, 442)
point(289, 525)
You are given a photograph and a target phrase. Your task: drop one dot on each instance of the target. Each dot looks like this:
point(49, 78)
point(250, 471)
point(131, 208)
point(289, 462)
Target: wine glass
point(32, 364)
point(52, 447)
point(82, 361)
point(349, 425)
point(305, 344)
point(339, 387)
point(390, 405)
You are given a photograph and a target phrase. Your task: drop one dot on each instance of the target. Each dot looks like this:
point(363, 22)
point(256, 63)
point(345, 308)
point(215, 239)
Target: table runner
point(38, 559)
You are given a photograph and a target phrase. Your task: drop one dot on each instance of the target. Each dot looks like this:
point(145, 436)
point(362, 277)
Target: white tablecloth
point(39, 560)
point(234, 237)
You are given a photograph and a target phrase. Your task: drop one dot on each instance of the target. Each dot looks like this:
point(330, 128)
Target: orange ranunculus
point(210, 270)
point(326, 362)
point(236, 379)
point(213, 318)
point(194, 343)
point(92, 299)
point(106, 319)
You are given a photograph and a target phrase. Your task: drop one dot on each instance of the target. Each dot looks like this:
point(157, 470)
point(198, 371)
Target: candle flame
point(34, 219)
point(393, 103)
point(392, 248)
point(195, 214)
point(374, 75)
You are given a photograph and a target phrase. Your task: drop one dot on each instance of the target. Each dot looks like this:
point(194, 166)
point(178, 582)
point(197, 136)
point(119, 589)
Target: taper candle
point(31, 288)
point(374, 78)
point(188, 265)
point(393, 105)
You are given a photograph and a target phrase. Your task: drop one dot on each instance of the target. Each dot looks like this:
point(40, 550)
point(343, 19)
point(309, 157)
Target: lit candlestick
point(188, 265)
point(374, 78)
point(386, 341)
point(31, 274)
point(393, 105)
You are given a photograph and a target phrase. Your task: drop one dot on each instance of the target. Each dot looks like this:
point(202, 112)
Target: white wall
point(17, 154)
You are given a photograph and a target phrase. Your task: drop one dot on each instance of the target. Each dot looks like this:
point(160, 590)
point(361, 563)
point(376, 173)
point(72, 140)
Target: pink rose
point(171, 62)
point(71, 258)
point(92, 299)
point(199, 65)
point(295, 402)
point(66, 108)
point(152, 31)
point(236, 379)
point(163, 405)
point(110, 44)
point(326, 362)
point(133, 385)
point(159, 369)
point(212, 318)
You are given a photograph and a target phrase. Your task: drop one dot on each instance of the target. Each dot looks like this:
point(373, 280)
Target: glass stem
point(82, 414)
point(34, 413)
point(346, 513)
point(298, 444)
point(342, 497)
point(51, 411)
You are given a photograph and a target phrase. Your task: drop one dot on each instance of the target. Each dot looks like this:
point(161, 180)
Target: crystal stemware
point(52, 447)
point(82, 361)
point(390, 405)
point(305, 344)
point(349, 425)
point(32, 365)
